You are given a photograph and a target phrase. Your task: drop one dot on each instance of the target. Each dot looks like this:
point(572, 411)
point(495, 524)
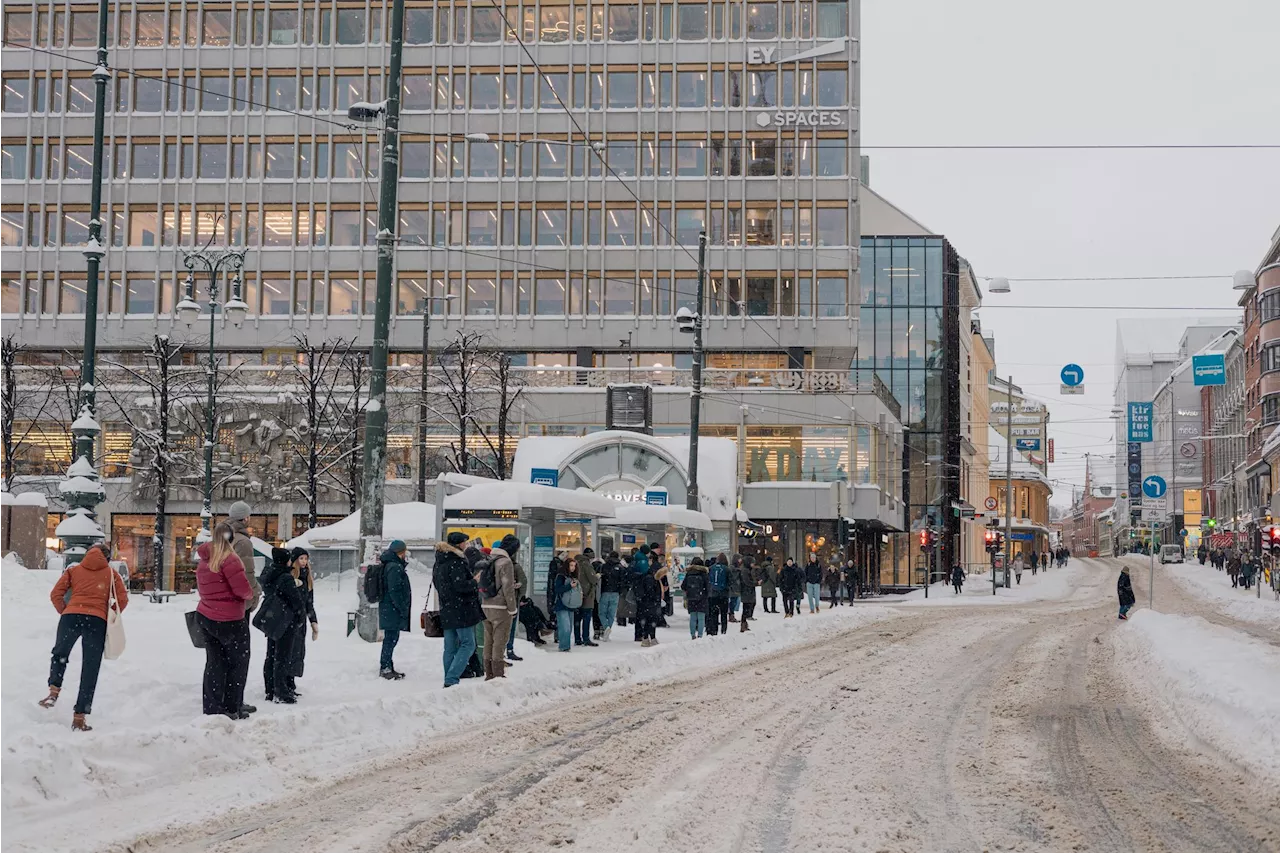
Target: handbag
point(114, 646)
point(274, 618)
point(194, 630)
point(430, 619)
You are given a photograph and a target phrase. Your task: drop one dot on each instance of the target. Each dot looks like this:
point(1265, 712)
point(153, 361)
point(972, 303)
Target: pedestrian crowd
point(1242, 565)
point(479, 598)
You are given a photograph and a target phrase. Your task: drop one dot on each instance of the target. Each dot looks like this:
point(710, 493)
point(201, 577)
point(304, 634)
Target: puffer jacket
point(88, 581)
point(813, 572)
point(397, 597)
point(457, 593)
point(769, 579)
point(611, 577)
point(224, 593)
point(695, 589)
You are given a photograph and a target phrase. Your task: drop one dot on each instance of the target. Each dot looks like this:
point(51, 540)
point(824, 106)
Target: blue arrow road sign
point(1153, 487)
point(1072, 375)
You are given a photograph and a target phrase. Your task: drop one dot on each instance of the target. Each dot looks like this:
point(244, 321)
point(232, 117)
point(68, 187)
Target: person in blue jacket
point(397, 601)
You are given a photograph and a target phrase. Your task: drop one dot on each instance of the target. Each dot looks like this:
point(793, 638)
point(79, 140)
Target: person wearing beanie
point(300, 565)
point(283, 611)
point(1124, 590)
point(242, 546)
point(393, 609)
point(500, 605)
point(458, 597)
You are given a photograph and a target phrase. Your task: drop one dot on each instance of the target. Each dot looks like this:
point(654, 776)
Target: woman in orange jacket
point(84, 618)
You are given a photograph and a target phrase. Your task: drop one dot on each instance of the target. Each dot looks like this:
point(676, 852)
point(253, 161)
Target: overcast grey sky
point(1087, 72)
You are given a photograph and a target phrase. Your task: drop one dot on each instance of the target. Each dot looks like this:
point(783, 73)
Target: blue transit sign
point(1027, 443)
point(656, 497)
point(1154, 487)
point(1072, 375)
point(1140, 421)
point(1209, 369)
point(544, 477)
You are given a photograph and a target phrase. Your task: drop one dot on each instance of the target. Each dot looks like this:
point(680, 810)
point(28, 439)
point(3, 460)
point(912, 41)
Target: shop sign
point(656, 497)
point(801, 118)
point(1026, 431)
point(767, 54)
point(482, 513)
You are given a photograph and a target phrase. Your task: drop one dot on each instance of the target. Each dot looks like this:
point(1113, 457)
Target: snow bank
point(1208, 583)
point(1046, 585)
point(1205, 682)
point(154, 761)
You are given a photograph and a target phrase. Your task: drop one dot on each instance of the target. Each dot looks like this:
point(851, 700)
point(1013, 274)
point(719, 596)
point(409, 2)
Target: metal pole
point(206, 512)
point(375, 446)
point(1151, 579)
point(94, 250)
point(1008, 480)
point(422, 403)
point(692, 500)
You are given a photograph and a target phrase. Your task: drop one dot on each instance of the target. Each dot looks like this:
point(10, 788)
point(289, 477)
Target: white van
point(1170, 553)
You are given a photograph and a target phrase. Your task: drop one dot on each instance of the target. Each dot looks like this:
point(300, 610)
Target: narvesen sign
point(801, 118)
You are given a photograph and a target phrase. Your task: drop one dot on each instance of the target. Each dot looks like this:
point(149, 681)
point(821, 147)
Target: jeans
point(564, 629)
point(91, 631)
point(582, 625)
point(734, 601)
point(608, 609)
point(1125, 608)
point(717, 615)
point(815, 595)
point(459, 643)
point(390, 637)
point(226, 663)
point(697, 624)
point(511, 635)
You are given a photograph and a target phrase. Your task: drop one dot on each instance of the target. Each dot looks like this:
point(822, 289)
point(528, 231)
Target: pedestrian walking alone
point(1124, 591)
point(1017, 567)
point(458, 597)
point(395, 606)
point(224, 592)
point(957, 577)
point(832, 579)
point(91, 585)
point(695, 589)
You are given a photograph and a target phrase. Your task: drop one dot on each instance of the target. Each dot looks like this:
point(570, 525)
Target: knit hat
point(588, 552)
point(239, 511)
point(456, 538)
point(298, 552)
point(279, 556)
point(397, 546)
point(510, 544)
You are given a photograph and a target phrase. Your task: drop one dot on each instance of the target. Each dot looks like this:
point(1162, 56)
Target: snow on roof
point(78, 525)
point(717, 462)
point(261, 546)
point(413, 522)
point(509, 495)
point(631, 513)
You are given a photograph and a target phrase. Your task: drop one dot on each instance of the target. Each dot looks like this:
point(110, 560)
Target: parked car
point(1171, 554)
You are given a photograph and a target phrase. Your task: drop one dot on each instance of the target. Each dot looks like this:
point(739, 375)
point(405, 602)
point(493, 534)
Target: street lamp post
point(214, 264)
point(691, 321)
point(422, 400)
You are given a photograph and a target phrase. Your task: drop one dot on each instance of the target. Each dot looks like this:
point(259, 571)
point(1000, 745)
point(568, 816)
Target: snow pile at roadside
point(1205, 682)
point(1209, 583)
point(154, 761)
point(1046, 585)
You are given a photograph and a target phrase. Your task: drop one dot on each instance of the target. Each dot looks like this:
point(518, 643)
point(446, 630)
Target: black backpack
point(375, 584)
point(488, 581)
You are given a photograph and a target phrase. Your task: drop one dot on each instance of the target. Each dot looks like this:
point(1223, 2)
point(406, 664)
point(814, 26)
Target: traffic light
point(1274, 540)
point(926, 539)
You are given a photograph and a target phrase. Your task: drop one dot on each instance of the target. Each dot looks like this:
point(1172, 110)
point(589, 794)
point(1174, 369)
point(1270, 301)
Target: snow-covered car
point(1171, 554)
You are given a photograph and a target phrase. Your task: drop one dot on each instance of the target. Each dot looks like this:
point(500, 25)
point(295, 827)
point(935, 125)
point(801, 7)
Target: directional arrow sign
point(1072, 375)
point(1153, 487)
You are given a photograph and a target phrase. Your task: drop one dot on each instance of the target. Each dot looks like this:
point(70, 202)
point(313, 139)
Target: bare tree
point(507, 386)
point(34, 402)
point(156, 402)
point(345, 477)
point(462, 370)
point(320, 435)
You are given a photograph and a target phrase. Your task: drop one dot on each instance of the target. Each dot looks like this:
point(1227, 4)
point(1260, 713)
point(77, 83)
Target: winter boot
point(52, 699)
point(512, 656)
point(608, 634)
point(388, 674)
point(488, 670)
point(742, 627)
point(499, 669)
point(78, 724)
point(733, 618)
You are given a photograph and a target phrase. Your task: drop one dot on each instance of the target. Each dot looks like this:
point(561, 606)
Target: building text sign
point(1140, 421)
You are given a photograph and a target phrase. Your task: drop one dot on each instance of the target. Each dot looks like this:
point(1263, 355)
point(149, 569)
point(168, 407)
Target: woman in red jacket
point(83, 617)
point(224, 589)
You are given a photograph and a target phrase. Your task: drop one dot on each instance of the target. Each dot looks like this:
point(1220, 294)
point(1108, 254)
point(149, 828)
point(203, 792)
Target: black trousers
point(647, 622)
point(277, 669)
point(226, 664)
point(748, 610)
point(789, 603)
point(771, 604)
point(91, 631)
point(718, 615)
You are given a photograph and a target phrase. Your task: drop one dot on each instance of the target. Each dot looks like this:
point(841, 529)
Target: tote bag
point(115, 627)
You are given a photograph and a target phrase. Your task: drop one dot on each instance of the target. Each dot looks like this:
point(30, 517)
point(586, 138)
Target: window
point(482, 228)
point(14, 98)
point(13, 225)
point(344, 227)
point(762, 20)
point(484, 160)
point(1271, 410)
point(623, 93)
point(619, 297)
point(833, 19)
point(689, 222)
point(551, 228)
point(344, 296)
point(1269, 306)
point(13, 161)
point(691, 158)
point(217, 27)
point(144, 229)
point(691, 86)
point(762, 89)
point(17, 31)
point(71, 295)
point(482, 297)
point(84, 28)
point(282, 92)
point(692, 22)
point(140, 296)
point(78, 162)
point(279, 162)
point(283, 26)
point(620, 226)
point(624, 23)
point(833, 226)
point(831, 294)
point(486, 91)
point(11, 296)
point(1270, 358)
point(549, 297)
point(486, 24)
point(419, 25)
point(146, 161)
point(552, 89)
point(831, 158)
point(351, 26)
point(832, 88)
point(148, 95)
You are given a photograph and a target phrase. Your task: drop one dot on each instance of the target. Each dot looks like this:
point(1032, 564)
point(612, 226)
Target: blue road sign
point(1154, 487)
point(1210, 369)
point(1072, 375)
point(1140, 421)
point(544, 477)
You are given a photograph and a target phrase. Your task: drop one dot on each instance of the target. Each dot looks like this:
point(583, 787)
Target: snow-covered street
point(1041, 725)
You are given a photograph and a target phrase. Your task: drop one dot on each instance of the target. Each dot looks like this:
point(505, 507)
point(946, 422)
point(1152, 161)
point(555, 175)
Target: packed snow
point(155, 761)
point(1208, 583)
point(1205, 682)
point(1046, 585)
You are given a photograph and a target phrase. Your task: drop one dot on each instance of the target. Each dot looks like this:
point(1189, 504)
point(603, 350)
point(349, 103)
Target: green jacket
point(768, 579)
point(588, 579)
point(750, 577)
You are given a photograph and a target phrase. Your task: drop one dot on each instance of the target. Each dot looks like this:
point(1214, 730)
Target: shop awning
point(645, 514)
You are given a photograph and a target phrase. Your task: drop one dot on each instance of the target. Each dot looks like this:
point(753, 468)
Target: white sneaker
point(606, 634)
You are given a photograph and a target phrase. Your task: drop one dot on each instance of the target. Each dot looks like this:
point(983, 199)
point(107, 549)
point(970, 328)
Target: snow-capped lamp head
point(235, 309)
point(188, 309)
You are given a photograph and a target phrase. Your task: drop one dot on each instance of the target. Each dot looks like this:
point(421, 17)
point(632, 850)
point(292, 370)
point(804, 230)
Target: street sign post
point(1072, 376)
point(990, 503)
point(1154, 487)
point(1209, 369)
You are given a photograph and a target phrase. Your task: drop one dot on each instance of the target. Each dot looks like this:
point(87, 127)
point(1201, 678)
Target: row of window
point(649, 87)
point(477, 295)
point(769, 223)
point(449, 23)
point(758, 154)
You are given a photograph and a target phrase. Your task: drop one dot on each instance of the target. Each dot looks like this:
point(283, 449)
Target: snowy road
point(949, 728)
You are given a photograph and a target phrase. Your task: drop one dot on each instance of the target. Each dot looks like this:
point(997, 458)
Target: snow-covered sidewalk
point(1207, 582)
point(1046, 585)
point(154, 761)
point(1203, 681)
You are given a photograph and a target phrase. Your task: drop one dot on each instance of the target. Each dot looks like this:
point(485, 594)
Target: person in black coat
point(957, 577)
point(393, 609)
point(300, 561)
point(648, 606)
point(458, 597)
point(281, 596)
point(791, 581)
point(696, 594)
point(1124, 590)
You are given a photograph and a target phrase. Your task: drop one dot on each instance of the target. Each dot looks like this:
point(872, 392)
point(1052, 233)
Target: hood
point(389, 556)
point(496, 554)
point(696, 570)
point(271, 573)
point(203, 551)
point(94, 560)
point(446, 548)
